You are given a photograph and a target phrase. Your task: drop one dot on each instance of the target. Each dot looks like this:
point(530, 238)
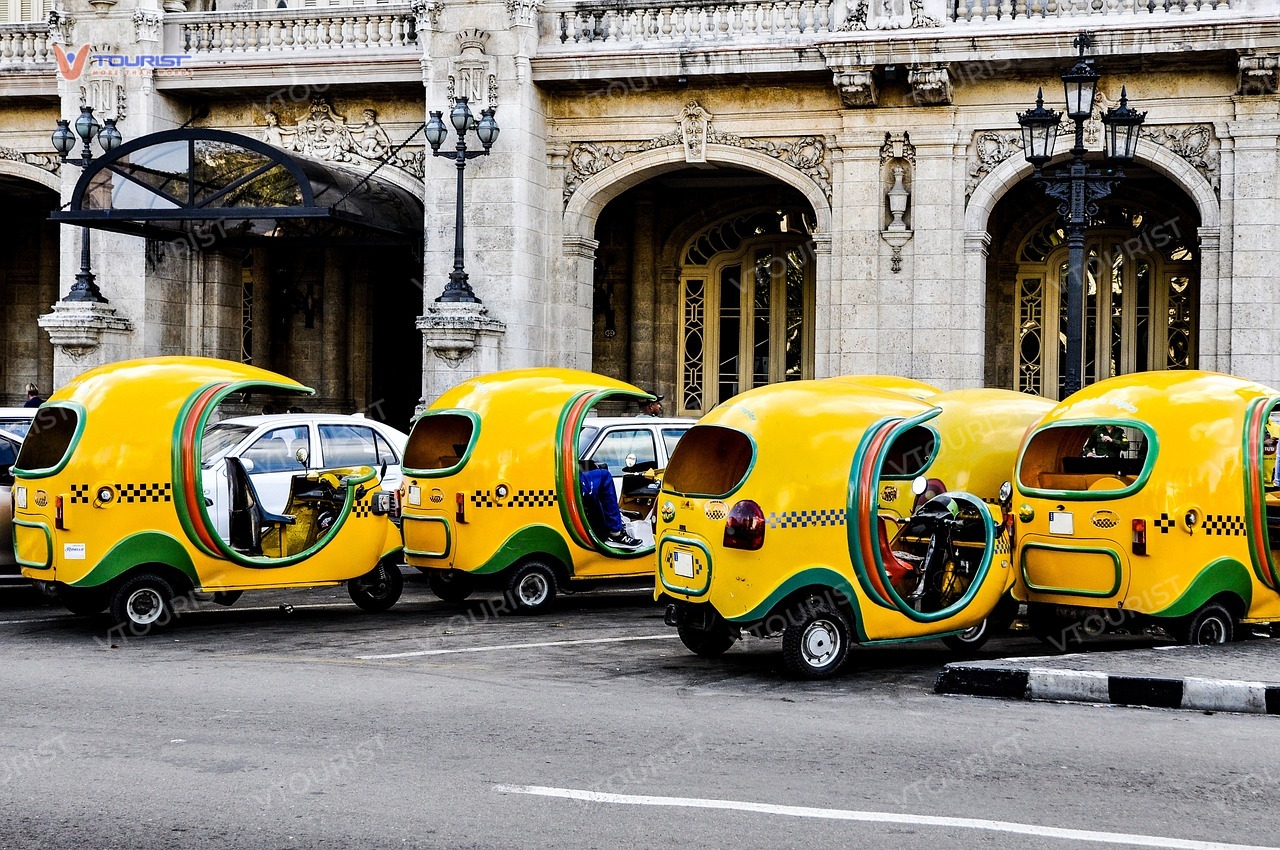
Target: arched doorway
point(1142, 280)
point(28, 285)
point(705, 285)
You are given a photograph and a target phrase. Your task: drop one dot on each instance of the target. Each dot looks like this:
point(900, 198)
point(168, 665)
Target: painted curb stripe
point(1126, 839)
point(1082, 686)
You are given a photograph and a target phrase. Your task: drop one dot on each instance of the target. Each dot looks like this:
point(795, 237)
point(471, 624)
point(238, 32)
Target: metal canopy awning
point(213, 186)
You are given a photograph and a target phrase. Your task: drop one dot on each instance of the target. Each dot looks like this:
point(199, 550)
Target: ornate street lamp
point(1079, 187)
point(458, 289)
point(64, 142)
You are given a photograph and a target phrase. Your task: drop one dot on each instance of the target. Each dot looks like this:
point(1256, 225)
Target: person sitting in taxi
point(1106, 441)
point(601, 502)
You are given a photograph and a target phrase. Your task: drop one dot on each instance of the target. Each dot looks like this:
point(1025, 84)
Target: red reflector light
point(461, 513)
point(744, 527)
point(1139, 537)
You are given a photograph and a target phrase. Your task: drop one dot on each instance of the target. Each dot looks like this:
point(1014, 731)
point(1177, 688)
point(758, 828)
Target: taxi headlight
point(106, 495)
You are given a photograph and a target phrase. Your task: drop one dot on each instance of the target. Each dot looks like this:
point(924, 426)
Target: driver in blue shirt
point(601, 502)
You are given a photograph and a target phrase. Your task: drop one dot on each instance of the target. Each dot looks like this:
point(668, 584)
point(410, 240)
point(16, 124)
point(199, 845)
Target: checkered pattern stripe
point(518, 499)
point(1223, 525)
point(807, 519)
point(362, 508)
point(1002, 543)
point(1164, 523)
point(1104, 522)
point(145, 492)
point(79, 494)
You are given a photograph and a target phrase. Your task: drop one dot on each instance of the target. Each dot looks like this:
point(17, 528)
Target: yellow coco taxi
point(839, 513)
point(110, 507)
point(493, 493)
point(1142, 500)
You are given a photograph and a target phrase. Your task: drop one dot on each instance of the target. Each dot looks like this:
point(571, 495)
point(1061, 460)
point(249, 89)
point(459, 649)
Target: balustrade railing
point(291, 30)
point(744, 21)
point(25, 44)
point(991, 11)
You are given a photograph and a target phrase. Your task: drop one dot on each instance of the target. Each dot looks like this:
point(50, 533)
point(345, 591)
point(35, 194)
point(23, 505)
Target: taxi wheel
point(708, 643)
point(532, 588)
point(1209, 626)
point(816, 641)
point(970, 640)
point(378, 589)
point(142, 603)
point(450, 585)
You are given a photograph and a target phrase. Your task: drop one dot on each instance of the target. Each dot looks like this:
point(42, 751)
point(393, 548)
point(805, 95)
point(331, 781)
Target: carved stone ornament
point(452, 330)
point(60, 24)
point(806, 154)
point(892, 15)
point(47, 161)
point(930, 84)
point(897, 147)
point(325, 135)
point(989, 149)
point(472, 73)
point(856, 84)
point(523, 13)
point(77, 327)
point(694, 125)
point(427, 14)
point(107, 97)
point(147, 24)
point(1259, 74)
point(1195, 143)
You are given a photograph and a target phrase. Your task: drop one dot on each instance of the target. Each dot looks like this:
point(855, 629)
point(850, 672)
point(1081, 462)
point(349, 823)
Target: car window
point(585, 436)
point(219, 438)
point(348, 445)
point(277, 450)
point(616, 445)
point(17, 427)
point(671, 436)
point(386, 454)
point(8, 457)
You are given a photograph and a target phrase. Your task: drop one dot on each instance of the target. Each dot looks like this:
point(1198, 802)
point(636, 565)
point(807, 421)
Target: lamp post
point(1079, 187)
point(64, 141)
point(458, 289)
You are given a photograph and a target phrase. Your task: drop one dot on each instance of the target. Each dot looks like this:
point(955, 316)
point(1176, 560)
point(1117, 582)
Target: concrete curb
point(1190, 693)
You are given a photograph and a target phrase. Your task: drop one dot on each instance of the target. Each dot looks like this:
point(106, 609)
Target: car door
point(275, 463)
point(387, 454)
point(8, 456)
point(343, 445)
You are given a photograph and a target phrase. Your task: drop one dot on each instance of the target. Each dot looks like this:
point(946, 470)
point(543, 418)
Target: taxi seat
point(897, 564)
point(248, 517)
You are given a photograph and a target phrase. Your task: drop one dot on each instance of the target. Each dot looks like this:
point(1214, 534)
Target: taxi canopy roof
point(1173, 399)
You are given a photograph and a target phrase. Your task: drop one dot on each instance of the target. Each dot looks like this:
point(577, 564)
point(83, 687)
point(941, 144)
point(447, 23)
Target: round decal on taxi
point(889, 493)
point(668, 511)
point(437, 496)
point(716, 510)
point(42, 498)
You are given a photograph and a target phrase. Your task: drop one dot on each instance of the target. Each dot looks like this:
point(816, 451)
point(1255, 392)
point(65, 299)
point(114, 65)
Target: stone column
point(1214, 341)
point(644, 296)
point(868, 314)
point(335, 319)
point(1255, 232)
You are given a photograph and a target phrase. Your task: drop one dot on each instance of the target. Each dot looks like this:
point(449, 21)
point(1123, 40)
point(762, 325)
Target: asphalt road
point(253, 727)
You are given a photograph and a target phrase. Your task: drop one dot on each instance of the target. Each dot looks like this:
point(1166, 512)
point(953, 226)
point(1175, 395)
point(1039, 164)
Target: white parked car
point(630, 442)
point(17, 420)
point(9, 445)
point(275, 448)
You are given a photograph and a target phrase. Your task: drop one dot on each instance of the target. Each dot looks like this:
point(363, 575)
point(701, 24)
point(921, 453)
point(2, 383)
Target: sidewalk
point(1241, 677)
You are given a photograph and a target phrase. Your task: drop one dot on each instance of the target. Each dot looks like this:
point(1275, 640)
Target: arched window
point(1141, 295)
point(746, 308)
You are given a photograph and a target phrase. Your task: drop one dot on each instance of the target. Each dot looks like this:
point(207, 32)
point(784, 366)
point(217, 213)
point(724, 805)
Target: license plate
point(1061, 522)
point(682, 564)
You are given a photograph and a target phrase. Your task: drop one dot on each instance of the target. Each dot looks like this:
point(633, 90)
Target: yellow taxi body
point(1183, 517)
point(827, 462)
point(491, 478)
point(109, 483)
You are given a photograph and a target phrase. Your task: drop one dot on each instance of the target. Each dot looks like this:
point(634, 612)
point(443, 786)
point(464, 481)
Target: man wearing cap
point(651, 408)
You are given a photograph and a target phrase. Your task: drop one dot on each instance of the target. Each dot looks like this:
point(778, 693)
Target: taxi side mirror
point(302, 455)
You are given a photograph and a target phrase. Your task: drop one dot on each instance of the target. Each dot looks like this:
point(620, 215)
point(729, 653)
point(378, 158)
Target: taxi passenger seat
point(248, 517)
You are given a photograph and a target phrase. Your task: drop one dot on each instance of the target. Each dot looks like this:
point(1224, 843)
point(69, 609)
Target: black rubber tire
point(142, 603)
point(707, 643)
point(378, 589)
point(816, 641)
point(450, 585)
point(531, 588)
point(970, 640)
point(83, 602)
point(1210, 625)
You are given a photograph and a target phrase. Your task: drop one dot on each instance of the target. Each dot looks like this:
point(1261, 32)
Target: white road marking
point(1131, 840)
point(582, 642)
point(69, 616)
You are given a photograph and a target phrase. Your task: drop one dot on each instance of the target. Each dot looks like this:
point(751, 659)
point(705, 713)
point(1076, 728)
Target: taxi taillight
point(460, 513)
point(1139, 537)
point(57, 514)
point(744, 527)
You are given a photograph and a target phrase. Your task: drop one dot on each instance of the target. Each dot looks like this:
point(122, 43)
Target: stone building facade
point(695, 197)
